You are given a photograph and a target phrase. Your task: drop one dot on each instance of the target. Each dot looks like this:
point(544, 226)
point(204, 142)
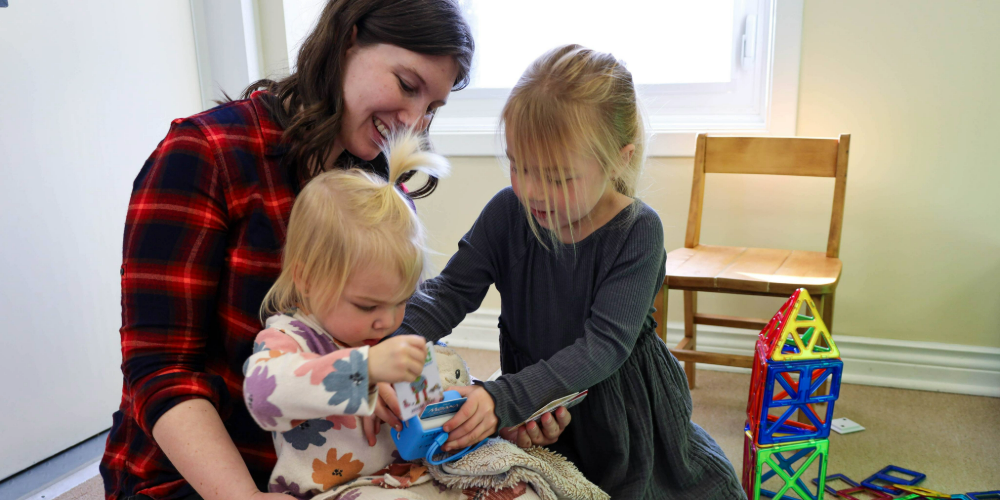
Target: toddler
point(353, 256)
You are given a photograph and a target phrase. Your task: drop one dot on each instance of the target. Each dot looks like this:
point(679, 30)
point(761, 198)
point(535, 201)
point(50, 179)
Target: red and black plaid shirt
point(203, 238)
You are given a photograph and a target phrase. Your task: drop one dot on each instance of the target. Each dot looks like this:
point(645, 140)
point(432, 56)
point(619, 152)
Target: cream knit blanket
point(501, 464)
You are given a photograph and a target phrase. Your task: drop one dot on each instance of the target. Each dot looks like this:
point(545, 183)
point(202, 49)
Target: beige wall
point(916, 84)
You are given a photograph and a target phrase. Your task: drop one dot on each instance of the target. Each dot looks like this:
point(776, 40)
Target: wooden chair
point(752, 271)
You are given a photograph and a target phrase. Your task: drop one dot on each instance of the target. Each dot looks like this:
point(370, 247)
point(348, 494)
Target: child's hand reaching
point(474, 422)
point(542, 433)
point(399, 359)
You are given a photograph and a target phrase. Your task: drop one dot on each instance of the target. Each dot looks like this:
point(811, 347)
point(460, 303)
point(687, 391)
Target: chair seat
point(766, 271)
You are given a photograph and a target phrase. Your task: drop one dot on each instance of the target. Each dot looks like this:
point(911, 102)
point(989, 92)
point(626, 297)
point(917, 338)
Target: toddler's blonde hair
point(344, 220)
point(574, 99)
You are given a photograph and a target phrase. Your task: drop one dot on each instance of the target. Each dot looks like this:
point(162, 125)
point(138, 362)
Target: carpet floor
point(953, 439)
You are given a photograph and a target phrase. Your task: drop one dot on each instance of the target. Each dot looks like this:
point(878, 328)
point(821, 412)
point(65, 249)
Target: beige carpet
point(953, 439)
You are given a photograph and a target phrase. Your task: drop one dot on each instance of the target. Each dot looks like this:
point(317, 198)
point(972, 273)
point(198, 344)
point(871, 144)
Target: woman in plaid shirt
point(207, 220)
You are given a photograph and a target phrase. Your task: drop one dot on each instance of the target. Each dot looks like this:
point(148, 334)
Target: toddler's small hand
point(475, 420)
point(371, 424)
point(388, 406)
point(399, 359)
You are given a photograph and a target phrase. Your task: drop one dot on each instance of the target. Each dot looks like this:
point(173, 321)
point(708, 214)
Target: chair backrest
point(772, 156)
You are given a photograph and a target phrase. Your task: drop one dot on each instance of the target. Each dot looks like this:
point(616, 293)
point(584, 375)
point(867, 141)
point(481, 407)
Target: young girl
point(353, 256)
point(578, 262)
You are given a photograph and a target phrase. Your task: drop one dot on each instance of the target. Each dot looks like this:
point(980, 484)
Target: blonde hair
point(347, 219)
point(574, 99)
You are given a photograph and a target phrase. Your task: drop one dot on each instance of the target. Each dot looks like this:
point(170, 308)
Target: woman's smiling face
point(388, 87)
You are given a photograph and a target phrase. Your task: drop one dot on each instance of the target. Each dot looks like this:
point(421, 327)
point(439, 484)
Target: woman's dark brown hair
point(309, 103)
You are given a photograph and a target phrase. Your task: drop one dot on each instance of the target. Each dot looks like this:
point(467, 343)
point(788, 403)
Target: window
point(725, 66)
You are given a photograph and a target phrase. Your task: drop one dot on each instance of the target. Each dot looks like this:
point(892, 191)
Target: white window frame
point(259, 38)
point(227, 46)
point(468, 125)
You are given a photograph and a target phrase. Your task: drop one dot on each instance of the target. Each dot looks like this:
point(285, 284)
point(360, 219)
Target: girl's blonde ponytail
point(347, 219)
point(407, 151)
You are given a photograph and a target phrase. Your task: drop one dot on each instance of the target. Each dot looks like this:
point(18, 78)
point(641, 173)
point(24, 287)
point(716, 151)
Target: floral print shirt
point(309, 391)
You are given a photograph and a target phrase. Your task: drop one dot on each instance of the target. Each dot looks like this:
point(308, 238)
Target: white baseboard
point(903, 364)
point(70, 481)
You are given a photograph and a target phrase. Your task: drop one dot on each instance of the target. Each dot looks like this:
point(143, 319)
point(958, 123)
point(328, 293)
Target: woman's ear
point(352, 43)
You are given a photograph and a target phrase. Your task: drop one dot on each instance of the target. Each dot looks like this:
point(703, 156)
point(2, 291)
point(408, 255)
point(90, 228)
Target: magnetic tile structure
point(787, 432)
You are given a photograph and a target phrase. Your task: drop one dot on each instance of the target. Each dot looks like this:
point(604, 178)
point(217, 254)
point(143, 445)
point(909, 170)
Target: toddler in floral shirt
point(353, 256)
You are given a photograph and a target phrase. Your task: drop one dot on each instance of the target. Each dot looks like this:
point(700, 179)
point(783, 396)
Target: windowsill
point(661, 144)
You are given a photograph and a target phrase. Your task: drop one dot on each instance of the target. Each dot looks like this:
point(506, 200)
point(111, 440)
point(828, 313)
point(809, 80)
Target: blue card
point(442, 408)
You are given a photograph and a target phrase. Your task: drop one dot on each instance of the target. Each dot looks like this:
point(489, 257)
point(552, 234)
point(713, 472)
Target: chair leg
point(660, 313)
point(828, 311)
point(690, 333)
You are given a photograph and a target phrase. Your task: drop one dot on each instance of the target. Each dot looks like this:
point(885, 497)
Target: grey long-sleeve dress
point(580, 317)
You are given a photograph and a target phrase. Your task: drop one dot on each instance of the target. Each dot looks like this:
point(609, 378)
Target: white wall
point(89, 89)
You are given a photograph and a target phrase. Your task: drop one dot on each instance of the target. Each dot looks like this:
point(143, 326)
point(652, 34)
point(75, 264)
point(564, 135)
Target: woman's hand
point(532, 434)
point(197, 443)
point(398, 359)
point(270, 496)
point(475, 420)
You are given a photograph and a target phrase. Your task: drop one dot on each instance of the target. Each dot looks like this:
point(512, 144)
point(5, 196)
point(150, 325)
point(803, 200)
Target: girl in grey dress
point(578, 262)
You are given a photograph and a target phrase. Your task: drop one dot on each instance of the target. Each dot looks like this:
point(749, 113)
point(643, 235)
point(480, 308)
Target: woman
point(207, 220)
